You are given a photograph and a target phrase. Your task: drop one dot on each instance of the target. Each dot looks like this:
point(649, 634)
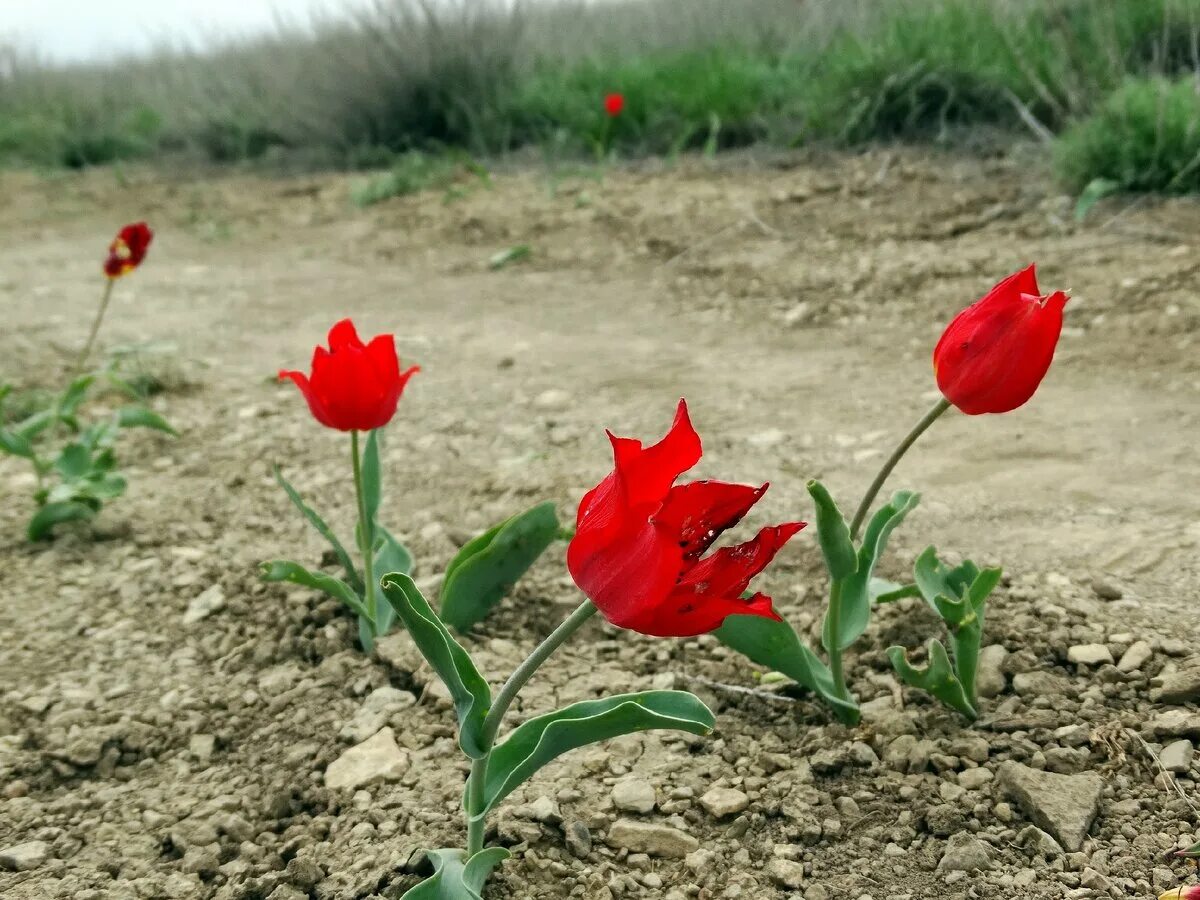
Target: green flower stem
point(909, 439)
point(491, 722)
point(87, 347)
point(366, 534)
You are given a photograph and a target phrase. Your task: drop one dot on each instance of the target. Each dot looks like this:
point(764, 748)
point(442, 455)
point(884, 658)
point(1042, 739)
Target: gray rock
point(376, 759)
point(989, 678)
point(965, 853)
point(375, 712)
point(634, 795)
point(543, 809)
point(1177, 756)
point(652, 838)
point(1106, 590)
point(1037, 843)
point(210, 601)
point(1175, 723)
point(1040, 684)
point(786, 873)
point(1089, 655)
point(974, 779)
point(1180, 686)
point(908, 754)
point(1063, 805)
point(944, 820)
point(1138, 654)
point(578, 838)
point(723, 802)
point(24, 857)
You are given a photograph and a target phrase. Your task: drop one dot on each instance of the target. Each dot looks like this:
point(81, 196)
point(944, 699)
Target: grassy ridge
point(486, 78)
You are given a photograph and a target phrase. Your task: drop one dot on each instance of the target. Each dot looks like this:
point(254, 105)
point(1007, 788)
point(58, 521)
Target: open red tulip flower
point(640, 540)
point(128, 249)
point(996, 352)
point(614, 105)
point(353, 386)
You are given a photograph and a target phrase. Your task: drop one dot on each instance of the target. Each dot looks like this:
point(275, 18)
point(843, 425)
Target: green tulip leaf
point(455, 877)
point(142, 417)
point(56, 513)
point(884, 591)
point(853, 594)
point(15, 443)
point(74, 462)
point(833, 533)
point(390, 556)
point(937, 678)
point(323, 529)
point(777, 646)
point(936, 579)
point(35, 424)
point(540, 740)
point(488, 566)
point(72, 397)
point(371, 476)
point(286, 570)
point(469, 691)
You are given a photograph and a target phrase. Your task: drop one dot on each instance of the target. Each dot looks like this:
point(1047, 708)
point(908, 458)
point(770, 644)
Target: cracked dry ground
point(794, 303)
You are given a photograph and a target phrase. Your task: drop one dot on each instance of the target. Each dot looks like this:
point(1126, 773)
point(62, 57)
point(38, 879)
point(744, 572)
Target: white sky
point(91, 29)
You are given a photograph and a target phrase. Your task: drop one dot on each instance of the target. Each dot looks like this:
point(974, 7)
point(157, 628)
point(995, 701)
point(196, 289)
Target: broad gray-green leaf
point(487, 567)
point(143, 417)
point(72, 397)
point(853, 595)
point(44, 520)
point(470, 692)
point(74, 462)
point(542, 739)
point(935, 579)
point(937, 678)
point(777, 646)
point(323, 529)
point(833, 534)
point(293, 572)
point(455, 877)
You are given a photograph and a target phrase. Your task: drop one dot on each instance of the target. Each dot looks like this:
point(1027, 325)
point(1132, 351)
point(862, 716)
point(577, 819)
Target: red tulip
point(639, 541)
point(353, 386)
point(128, 249)
point(996, 352)
point(614, 104)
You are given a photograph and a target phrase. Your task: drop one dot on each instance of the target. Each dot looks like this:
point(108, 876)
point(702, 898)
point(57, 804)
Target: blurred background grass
point(1112, 82)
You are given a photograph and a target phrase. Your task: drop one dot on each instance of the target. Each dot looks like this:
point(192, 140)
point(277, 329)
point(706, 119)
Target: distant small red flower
point(353, 386)
point(614, 105)
point(128, 249)
point(996, 352)
point(639, 540)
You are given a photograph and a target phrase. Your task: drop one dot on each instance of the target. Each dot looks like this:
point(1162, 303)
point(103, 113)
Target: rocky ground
point(171, 727)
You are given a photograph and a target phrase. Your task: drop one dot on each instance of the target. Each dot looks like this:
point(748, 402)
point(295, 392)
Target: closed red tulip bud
point(996, 352)
point(640, 539)
point(128, 249)
point(353, 386)
point(614, 104)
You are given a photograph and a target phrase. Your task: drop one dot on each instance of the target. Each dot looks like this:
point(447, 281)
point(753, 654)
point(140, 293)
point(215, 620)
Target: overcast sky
point(89, 29)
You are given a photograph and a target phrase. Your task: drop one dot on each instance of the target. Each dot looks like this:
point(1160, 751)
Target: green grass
point(1145, 137)
point(486, 78)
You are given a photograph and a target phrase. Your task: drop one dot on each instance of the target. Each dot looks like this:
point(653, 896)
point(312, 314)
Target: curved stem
point(87, 348)
point(909, 439)
point(365, 534)
point(495, 715)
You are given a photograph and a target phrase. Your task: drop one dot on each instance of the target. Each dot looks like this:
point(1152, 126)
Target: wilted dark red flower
point(614, 104)
point(996, 352)
point(128, 249)
point(639, 540)
point(353, 386)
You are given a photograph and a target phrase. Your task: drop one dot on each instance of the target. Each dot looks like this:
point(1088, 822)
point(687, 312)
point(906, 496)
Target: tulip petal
point(343, 335)
point(626, 575)
point(696, 513)
point(728, 571)
point(647, 473)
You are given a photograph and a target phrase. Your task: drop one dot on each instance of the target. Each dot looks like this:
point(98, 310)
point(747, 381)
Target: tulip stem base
point(366, 537)
point(475, 806)
point(81, 361)
point(909, 439)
